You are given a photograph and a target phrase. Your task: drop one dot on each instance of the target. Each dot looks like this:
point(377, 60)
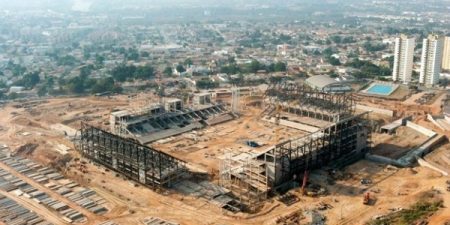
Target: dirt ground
point(407, 107)
point(203, 148)
point(129, 203)
point(392, 188)
point(395, 146)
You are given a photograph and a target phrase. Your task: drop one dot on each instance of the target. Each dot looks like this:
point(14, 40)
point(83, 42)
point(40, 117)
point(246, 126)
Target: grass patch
point(418, 212)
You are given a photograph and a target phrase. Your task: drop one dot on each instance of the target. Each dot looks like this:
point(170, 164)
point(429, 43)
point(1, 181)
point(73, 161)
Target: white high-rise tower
point(432, 51)
point(403, 59)
point(446, 57)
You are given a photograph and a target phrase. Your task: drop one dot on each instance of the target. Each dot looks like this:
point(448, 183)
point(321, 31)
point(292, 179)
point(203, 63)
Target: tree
point(16, 69)
point(50, 82)
point(368, 69)
point(144, 72)
point(188, 62)
point(328, 52)
point(123, 72)
point(86, 54)
point(274, 79)
point(99, 60)
point(206, 84)
point(348, 39)
point(85, 72)
point(231, 60)
point(254, 66)
point(368, 46)
point(391, 62)
point(168, 71)
point(13, 96)
point(42, 91)
point(67, 60)
point(103, 85)
point(336, 39)
point(444, 82)
point(76, 85)
point(180, 68)
point(229, 69)
point(132, 54)
point(301, 74)
point(280, 67)
point(333, 61)
point(29, 80)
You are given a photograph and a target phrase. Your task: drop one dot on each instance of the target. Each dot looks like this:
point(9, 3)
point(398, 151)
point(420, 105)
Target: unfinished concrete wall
point(295, 125)
point(376, 110)
point(425, 131)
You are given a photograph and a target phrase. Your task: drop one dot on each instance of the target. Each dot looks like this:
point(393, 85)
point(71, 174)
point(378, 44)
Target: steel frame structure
point(305, 101)
point(345, 138)
point(247, 181)
point(140, 163)
point(254, 178)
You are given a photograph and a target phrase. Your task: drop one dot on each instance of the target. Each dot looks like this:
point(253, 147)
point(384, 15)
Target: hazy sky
point(100, 5)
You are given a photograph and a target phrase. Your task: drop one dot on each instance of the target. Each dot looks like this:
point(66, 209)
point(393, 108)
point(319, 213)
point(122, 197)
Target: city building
point(327, 84)
point(403, 59)
point(431, 62)
point(446, 54)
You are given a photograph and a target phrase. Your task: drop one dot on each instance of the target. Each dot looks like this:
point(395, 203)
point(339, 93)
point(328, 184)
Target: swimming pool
point(381, 89)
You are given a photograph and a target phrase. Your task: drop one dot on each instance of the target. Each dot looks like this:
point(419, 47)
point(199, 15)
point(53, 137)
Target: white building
point(446, 54)
point(403, 59)
point(431, 63)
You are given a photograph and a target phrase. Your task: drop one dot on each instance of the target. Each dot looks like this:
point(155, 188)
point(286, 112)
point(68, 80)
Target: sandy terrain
point(130, 203)
point(395, 146)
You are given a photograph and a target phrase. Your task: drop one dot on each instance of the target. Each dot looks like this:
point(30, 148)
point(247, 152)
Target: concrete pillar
point(142, 175)
point(96, 154)
point(114, 163)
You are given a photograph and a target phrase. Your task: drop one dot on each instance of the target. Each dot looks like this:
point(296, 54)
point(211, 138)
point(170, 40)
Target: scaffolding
point(246, 178)
point(302, 100)
point(252, 178)
point(140, 163)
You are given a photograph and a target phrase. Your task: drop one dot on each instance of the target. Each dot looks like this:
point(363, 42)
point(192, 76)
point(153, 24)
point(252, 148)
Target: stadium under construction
point(341, 138)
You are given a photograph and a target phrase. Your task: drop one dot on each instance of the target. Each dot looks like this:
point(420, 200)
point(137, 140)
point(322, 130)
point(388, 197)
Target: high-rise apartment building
point(446, 54)
point(403, 59)
point(432, 51)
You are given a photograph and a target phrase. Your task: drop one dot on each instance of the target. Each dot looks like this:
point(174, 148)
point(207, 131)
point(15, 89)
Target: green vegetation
point(207, 84)
point(340, 40)
point(419, 211)
point(327, 54)
point(67, 60)
point(368, 46)
point(29, 80)
point(180, 68)
point(123, 73)
point(16, 69)
point(333, 61)
point(167, 71)
point(252, 67)
point(83, 85)
point(368, 69)
point(188, 62)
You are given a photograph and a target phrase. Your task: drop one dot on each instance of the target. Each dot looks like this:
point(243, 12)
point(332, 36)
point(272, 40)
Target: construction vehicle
point(366, 200)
